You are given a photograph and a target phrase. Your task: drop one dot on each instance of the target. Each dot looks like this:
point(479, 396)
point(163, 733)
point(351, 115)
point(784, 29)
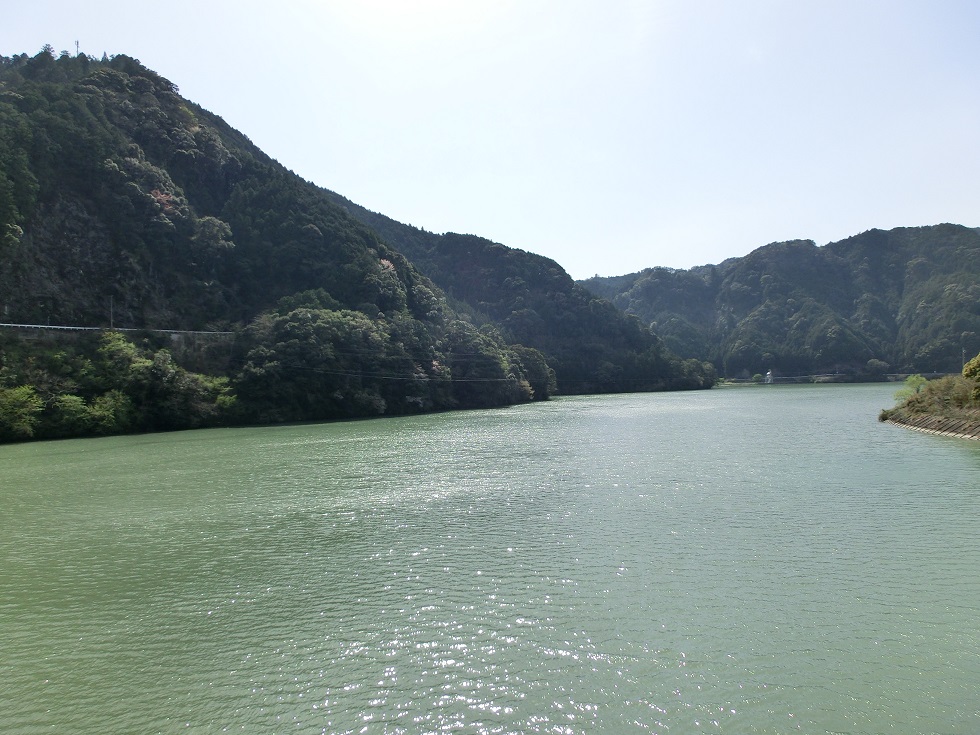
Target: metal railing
point(69, 328)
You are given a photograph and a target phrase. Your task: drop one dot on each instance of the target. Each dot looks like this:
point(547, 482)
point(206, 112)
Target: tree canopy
point(906, 300)
point(124, 205)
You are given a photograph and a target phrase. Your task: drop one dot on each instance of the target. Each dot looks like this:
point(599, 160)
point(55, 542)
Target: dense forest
point(899, 301)
point(533, 301)
point(125, 207)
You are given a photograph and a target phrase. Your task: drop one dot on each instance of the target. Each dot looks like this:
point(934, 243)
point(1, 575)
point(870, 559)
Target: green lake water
point(748, 560)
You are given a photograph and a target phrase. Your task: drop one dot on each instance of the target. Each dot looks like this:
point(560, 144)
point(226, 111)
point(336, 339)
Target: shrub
point(20, 411)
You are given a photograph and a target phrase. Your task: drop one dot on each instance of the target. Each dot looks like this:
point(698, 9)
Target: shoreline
point(958, 428)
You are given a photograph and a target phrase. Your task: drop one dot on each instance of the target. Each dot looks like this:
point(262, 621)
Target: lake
point(744, 560)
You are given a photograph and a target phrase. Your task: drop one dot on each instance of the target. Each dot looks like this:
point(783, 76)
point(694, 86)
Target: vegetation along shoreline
point(948, 406)
point(158, 271)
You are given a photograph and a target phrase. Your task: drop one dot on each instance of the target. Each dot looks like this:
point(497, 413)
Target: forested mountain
point(122, 203)
point(533, 301)
point(905, 300)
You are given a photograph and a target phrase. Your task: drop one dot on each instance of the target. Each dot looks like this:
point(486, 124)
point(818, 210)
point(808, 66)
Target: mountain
point(124, 204)
point(904, 300)
point(532, 301)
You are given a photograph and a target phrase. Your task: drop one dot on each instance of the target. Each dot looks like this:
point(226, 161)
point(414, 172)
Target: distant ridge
point(903, 301)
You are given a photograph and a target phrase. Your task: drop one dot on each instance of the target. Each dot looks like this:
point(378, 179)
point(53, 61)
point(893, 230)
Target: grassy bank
point(948, 405)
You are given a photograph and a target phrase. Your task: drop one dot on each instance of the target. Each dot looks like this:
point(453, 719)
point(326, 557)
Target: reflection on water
point(757, 560)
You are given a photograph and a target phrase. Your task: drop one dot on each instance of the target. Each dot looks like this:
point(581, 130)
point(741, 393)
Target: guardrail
point(829, 378)
point(68, 328)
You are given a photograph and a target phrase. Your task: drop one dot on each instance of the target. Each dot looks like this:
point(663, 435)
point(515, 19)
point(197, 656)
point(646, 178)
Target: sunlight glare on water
point(759, 560)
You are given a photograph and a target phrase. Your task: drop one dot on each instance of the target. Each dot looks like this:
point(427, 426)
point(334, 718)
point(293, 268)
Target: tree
point(20, 411)
point(70, 416)
point(313, 364)
point(876, 367)
point(913, 385)
point(533, 366)
point(971, 371)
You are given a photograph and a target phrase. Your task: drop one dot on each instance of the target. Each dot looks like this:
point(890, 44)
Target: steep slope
point(123, 204)
point(906, 300)
point(115, 188)
point(590, 344)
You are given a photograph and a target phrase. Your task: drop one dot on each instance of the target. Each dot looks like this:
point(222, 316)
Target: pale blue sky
point(610, 136)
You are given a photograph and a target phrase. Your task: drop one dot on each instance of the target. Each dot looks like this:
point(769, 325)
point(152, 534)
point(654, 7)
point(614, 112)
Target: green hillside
point(123, 204)
point(531, 300)
point(905, 300)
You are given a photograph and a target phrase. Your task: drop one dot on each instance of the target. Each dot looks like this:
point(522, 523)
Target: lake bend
point(764, 559)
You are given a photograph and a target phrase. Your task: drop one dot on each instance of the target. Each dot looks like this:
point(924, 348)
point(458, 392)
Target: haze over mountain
point(123, 203)
point(904, 300)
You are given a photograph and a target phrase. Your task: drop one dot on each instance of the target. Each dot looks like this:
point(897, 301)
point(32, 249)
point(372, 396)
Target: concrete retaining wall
point(961, 428)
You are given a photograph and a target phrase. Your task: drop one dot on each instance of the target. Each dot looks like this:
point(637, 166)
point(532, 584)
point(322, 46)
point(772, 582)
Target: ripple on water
point(688, 562)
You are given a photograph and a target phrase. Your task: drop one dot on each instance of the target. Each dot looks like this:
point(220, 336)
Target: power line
point(68, 328)
point(384, 376)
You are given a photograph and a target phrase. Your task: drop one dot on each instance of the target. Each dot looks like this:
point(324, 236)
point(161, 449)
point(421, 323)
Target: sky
point(609, 135)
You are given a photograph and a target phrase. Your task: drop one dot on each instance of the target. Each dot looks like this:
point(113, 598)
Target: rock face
point(967, 427)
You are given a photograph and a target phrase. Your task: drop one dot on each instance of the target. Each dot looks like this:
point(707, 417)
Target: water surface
point(757, 560)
